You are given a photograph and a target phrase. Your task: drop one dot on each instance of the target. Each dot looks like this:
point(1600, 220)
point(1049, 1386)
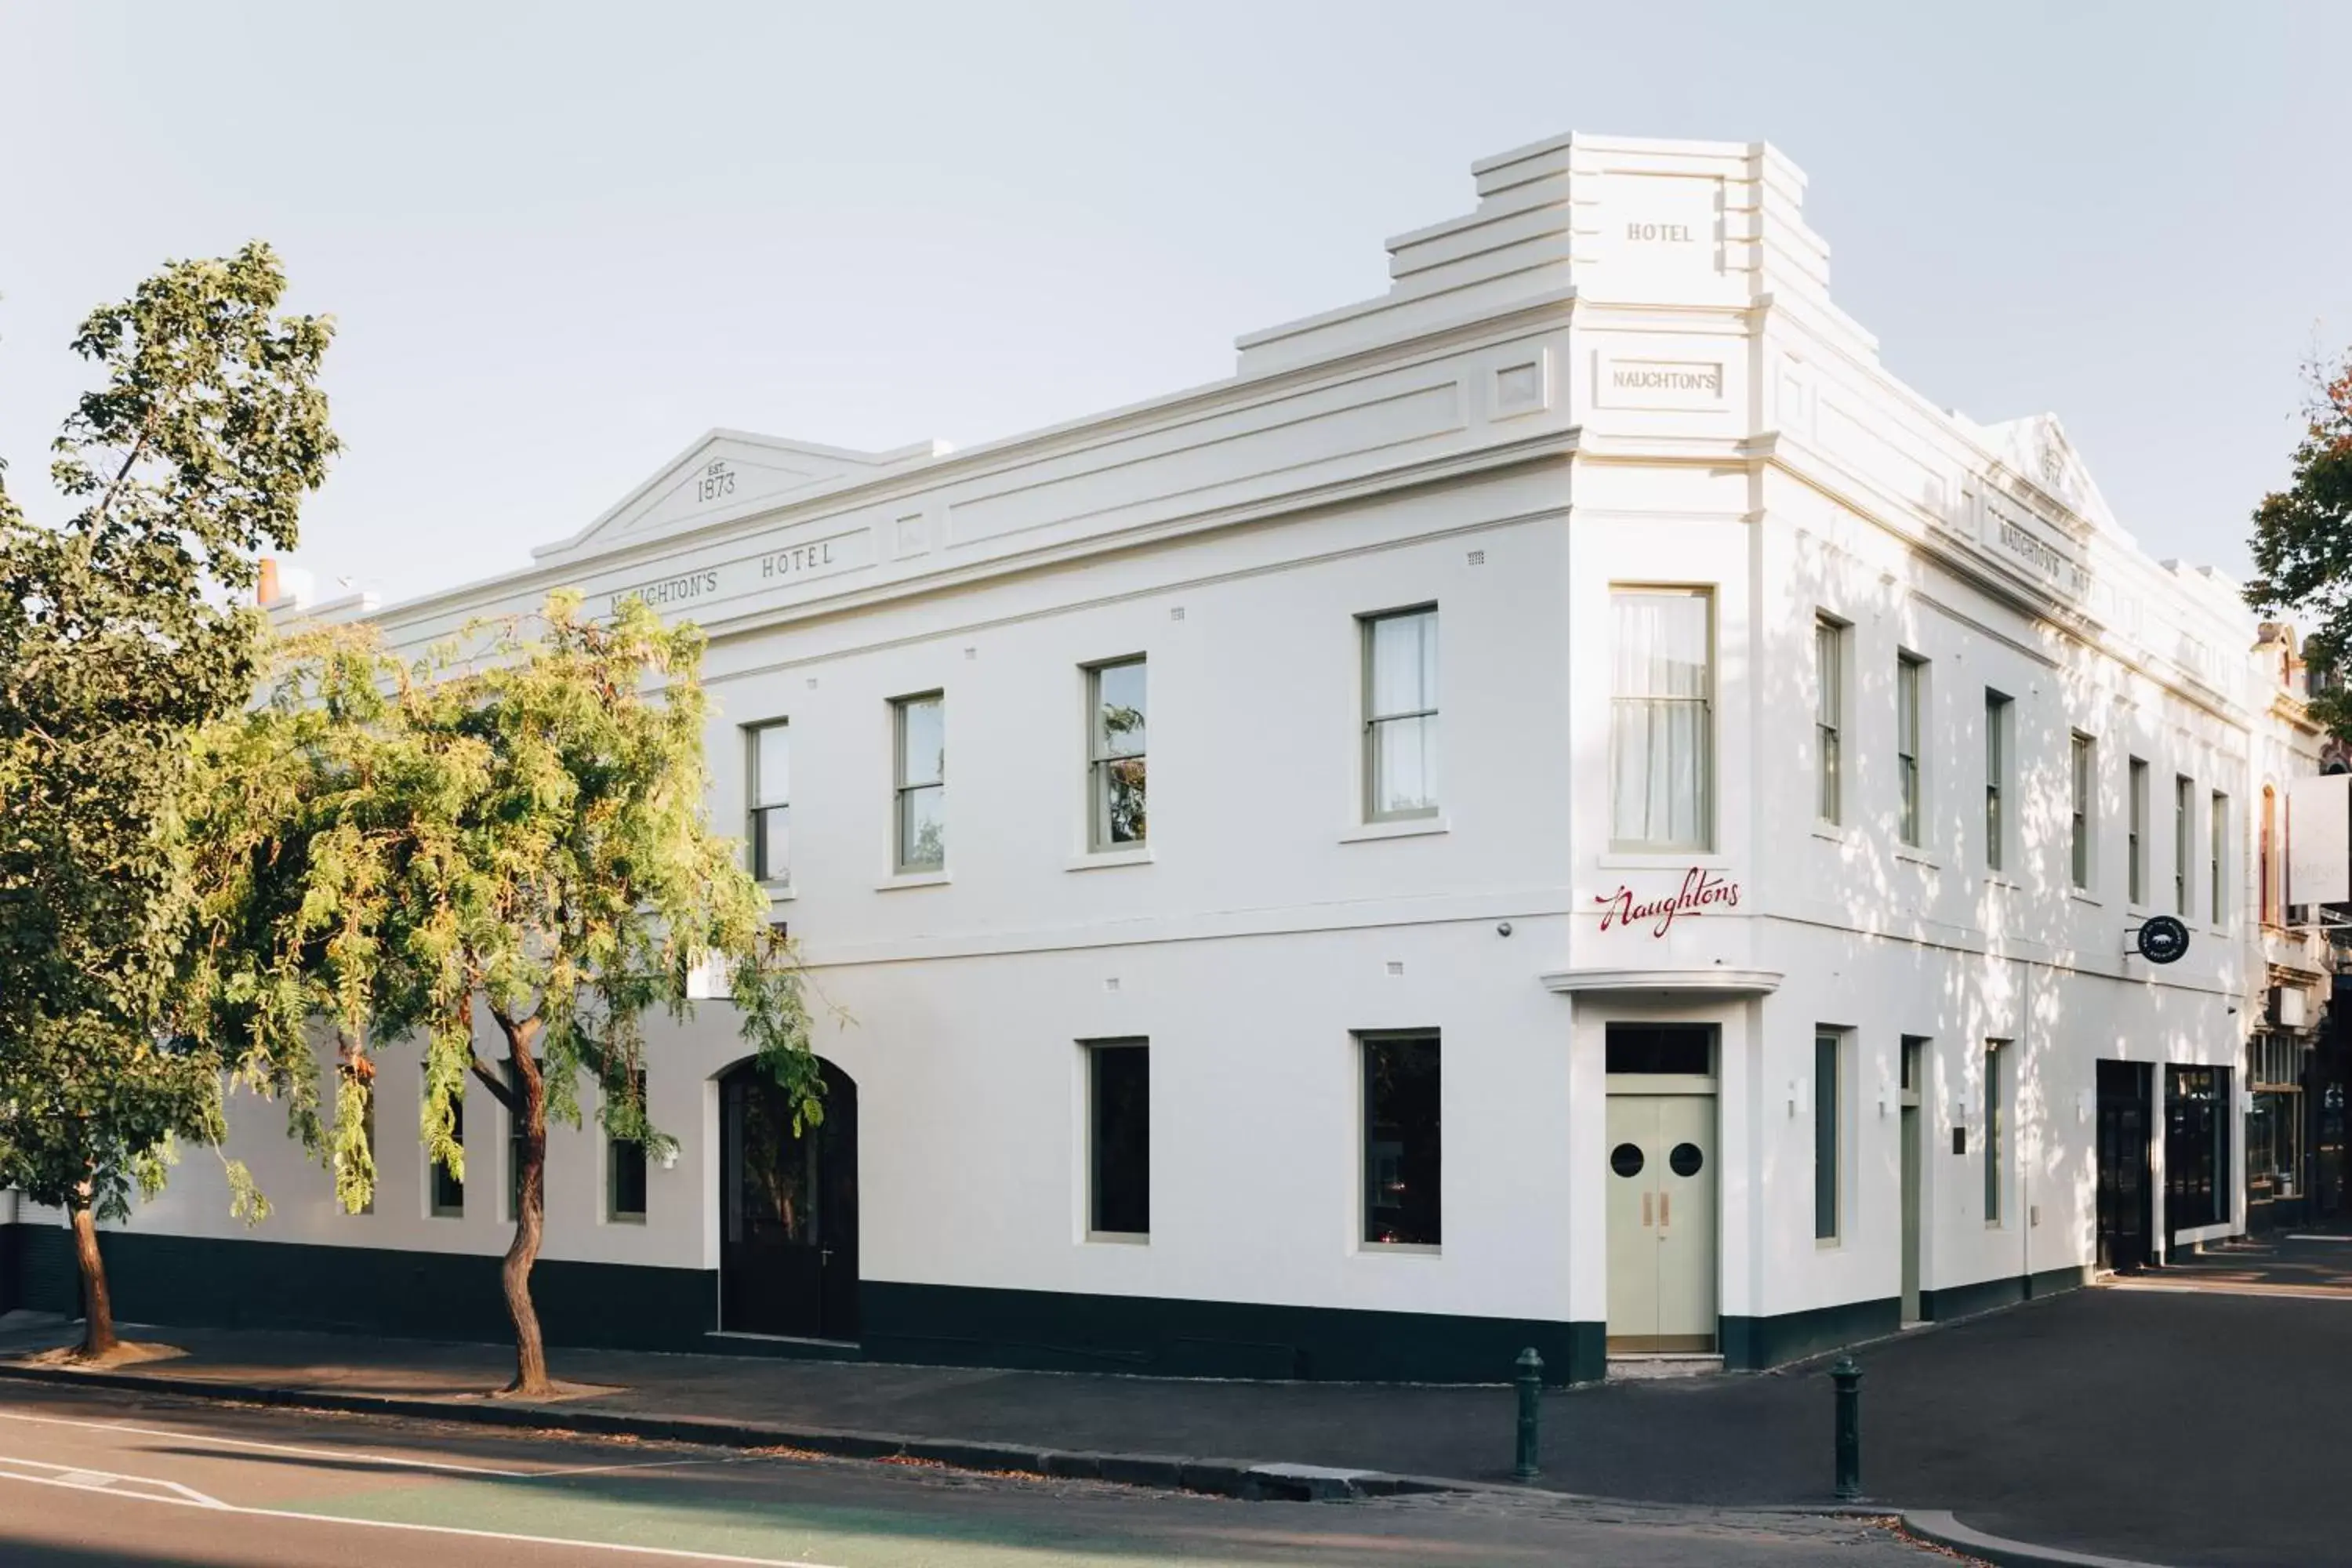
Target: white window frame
point(2000, 734)
point(1365, 1042)
point(759, 806)
point(1101, 758)
point(613, 1213)
point(1090, 1190)
point(366, 1087)
point(1705, 700)
point(1829, 1099)
point(2184, 843)
point(2136, 804)
point(1375, 717)
point(2083, 810)
point(1996, 1134)
point(902, 792)
point(2217, 859)
point(434, 1172)
point(1828, 719)
point(1910, 749)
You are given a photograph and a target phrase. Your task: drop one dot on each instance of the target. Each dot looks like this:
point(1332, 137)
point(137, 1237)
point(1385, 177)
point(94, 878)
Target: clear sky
point(562, 241)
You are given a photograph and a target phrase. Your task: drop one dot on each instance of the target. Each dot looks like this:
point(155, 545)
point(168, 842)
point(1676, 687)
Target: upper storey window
point(772, 797)
point(1401, 714)
point(2083, 775)
point(1662, 729)
point(1116, 708)
point(922, 784)
point(1910, 779)
point(1829, 717)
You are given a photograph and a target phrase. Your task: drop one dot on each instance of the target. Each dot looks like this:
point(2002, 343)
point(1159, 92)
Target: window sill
point(780, 892)
point(1401, 828)
point(1834, 832)
point(1662, 860)
point(625, 1219)
point(1827, 1243)
point(1101, 859)
point(1400, 1248)
point(1917, 856)
point(913, 879)
point(1120, 1237)
point(1996, 879)
point(2081, 897)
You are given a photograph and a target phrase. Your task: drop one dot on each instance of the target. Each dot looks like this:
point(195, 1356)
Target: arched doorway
point(788, 1210)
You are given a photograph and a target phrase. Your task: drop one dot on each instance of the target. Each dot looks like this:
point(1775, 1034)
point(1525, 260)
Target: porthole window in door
point(1686, 1160)
point(1626, 1159)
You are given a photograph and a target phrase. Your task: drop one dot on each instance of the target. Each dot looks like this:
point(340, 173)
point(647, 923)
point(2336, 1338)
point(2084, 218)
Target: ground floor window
point(447, 1198)
point(2275, 1119)
point(2195, 1189)
point(1828, 1125)
point(1996, 1128)
point(1401, 1148)
point(1119, 1138)
point(624, 1168)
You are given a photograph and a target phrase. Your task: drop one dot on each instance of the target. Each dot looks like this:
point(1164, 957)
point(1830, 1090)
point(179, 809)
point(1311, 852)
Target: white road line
point(346, 1456)
point(2309, 1237)
point(214, 1505)
point(343, 1455)
point(640, 1464)
point(81, 1478)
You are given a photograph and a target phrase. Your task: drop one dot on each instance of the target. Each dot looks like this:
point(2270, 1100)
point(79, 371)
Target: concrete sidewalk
point(2183, 1429)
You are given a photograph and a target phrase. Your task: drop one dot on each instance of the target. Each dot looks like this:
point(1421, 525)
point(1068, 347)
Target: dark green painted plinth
point(1057, 1331)
point(235, 1283)
point(1985, 1295)
point(1751, 1344)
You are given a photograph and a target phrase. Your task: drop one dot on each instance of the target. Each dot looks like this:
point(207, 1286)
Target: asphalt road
point(89, 1476)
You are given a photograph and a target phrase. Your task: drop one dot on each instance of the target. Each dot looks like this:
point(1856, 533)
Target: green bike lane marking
point(847, 1535)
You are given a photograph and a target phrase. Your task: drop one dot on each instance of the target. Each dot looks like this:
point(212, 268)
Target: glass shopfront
point(2275, 1130)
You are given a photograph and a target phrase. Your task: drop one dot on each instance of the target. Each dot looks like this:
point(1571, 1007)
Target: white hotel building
point(1558, 805)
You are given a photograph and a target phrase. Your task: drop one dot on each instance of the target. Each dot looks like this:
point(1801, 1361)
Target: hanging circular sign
point(2163, 939)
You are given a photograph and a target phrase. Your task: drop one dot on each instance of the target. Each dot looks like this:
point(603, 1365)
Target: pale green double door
point(1662, 1224)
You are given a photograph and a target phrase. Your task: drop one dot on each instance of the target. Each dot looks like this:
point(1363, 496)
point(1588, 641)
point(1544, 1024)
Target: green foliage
point(120, 638)
point(519, 829)
point(2302, 543)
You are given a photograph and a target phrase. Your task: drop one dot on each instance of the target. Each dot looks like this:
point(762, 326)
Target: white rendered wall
point(1624, 368)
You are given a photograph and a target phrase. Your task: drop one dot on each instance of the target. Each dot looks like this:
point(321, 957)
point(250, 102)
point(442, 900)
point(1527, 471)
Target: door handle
point(1666, 1208)
point(1645, 1209)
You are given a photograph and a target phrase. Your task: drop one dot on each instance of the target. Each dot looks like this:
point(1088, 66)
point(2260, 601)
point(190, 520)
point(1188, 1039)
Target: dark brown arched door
point(788, 1210)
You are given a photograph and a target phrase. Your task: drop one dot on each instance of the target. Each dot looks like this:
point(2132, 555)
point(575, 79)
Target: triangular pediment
point(726, 474)
point(2035, 449)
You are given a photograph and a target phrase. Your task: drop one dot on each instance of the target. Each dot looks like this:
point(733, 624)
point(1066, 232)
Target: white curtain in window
point(1659, 746)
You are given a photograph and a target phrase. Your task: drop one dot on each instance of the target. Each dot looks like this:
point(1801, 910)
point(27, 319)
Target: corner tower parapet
point(1596, 219)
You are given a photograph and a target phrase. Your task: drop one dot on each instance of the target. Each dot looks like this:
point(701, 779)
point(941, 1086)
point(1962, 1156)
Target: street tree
point(501, 850)
point(123, 632)
point(2303, 539)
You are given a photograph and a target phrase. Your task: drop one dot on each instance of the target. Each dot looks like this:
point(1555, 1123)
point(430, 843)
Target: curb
point(1938, 1526)
point(1249, 1479)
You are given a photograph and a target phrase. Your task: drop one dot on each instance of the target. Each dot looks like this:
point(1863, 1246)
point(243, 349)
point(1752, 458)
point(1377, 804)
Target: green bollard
point(1530, 1382)
point(1848, 1378)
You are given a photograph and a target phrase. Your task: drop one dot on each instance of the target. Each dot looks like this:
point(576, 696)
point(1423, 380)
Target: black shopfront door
point(2126, 1180)
point(788, 1217)
point(2197, 1188)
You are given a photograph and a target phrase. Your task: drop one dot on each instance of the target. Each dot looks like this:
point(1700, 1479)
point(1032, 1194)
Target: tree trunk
point(97, 1309)
point(530, 1379)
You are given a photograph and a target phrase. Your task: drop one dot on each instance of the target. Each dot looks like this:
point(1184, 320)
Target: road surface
point(91, 1477)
